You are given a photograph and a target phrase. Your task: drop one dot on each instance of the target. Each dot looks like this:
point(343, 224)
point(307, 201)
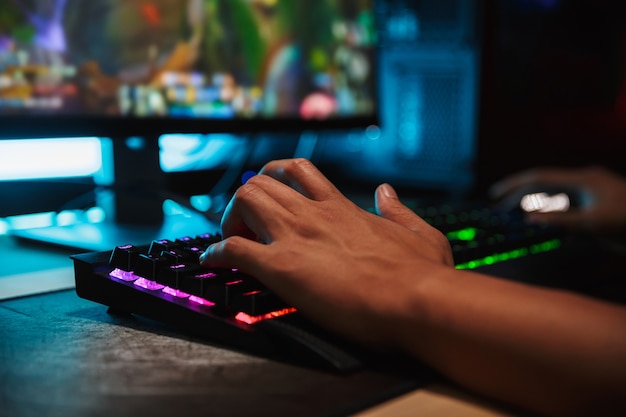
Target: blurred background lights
point(49, 158)
point(372, 132)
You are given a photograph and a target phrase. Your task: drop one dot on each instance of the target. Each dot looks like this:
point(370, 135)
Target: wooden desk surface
point(439, 400)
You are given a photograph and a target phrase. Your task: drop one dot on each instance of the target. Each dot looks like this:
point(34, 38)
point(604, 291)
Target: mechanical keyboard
point(480, 235)
point(164, 281)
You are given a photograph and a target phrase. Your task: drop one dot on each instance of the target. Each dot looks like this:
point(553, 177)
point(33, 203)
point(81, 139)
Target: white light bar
point(49, 158)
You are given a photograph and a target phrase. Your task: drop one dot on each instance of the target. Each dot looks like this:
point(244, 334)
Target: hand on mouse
point(601, 196)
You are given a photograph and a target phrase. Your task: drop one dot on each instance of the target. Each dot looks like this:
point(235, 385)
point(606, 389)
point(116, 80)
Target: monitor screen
point(123, 67)
point(135, 70)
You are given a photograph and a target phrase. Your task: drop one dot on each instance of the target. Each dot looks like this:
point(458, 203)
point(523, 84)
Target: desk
point(26, 269)
point(64, 356)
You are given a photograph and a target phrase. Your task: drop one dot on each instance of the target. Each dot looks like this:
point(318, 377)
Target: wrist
point(420, 308)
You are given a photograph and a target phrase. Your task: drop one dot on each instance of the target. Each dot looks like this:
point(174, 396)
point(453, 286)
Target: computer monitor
point(135, 70)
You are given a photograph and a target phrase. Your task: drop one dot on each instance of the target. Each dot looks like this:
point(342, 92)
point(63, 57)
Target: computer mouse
point(547, 201)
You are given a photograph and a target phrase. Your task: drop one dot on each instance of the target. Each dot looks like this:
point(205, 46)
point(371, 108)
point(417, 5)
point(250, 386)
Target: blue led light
point(246, 176)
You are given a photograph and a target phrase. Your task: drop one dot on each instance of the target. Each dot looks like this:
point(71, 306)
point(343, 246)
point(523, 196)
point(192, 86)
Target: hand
point(389, 281)
point(350, 270)
point(601, 195)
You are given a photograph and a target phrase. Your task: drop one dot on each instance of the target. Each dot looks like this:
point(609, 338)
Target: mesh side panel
point(426, 116)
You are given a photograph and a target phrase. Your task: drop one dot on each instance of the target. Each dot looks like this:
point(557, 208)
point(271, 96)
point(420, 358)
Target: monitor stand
point(133, 207)
point(87, 237)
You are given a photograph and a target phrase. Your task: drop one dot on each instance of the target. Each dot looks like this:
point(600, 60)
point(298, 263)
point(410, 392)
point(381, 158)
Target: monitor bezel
point(48, 126)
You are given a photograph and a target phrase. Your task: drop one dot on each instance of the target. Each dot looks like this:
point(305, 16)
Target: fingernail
point(388, 191)
point(202, 257)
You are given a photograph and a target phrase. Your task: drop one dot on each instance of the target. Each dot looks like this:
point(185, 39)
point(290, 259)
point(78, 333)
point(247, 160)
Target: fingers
point(246, 214)
point(259, 211)
point(242, 253)
point(262, 206)
point(389, 206)
point(301, 175)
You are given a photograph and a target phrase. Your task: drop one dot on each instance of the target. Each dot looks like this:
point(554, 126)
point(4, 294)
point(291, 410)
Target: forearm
point(551, 351)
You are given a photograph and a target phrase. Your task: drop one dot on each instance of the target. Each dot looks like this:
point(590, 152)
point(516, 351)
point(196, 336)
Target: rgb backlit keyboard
point(164, 281)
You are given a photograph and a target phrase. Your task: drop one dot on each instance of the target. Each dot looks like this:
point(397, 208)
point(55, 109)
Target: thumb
point(390, 207)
